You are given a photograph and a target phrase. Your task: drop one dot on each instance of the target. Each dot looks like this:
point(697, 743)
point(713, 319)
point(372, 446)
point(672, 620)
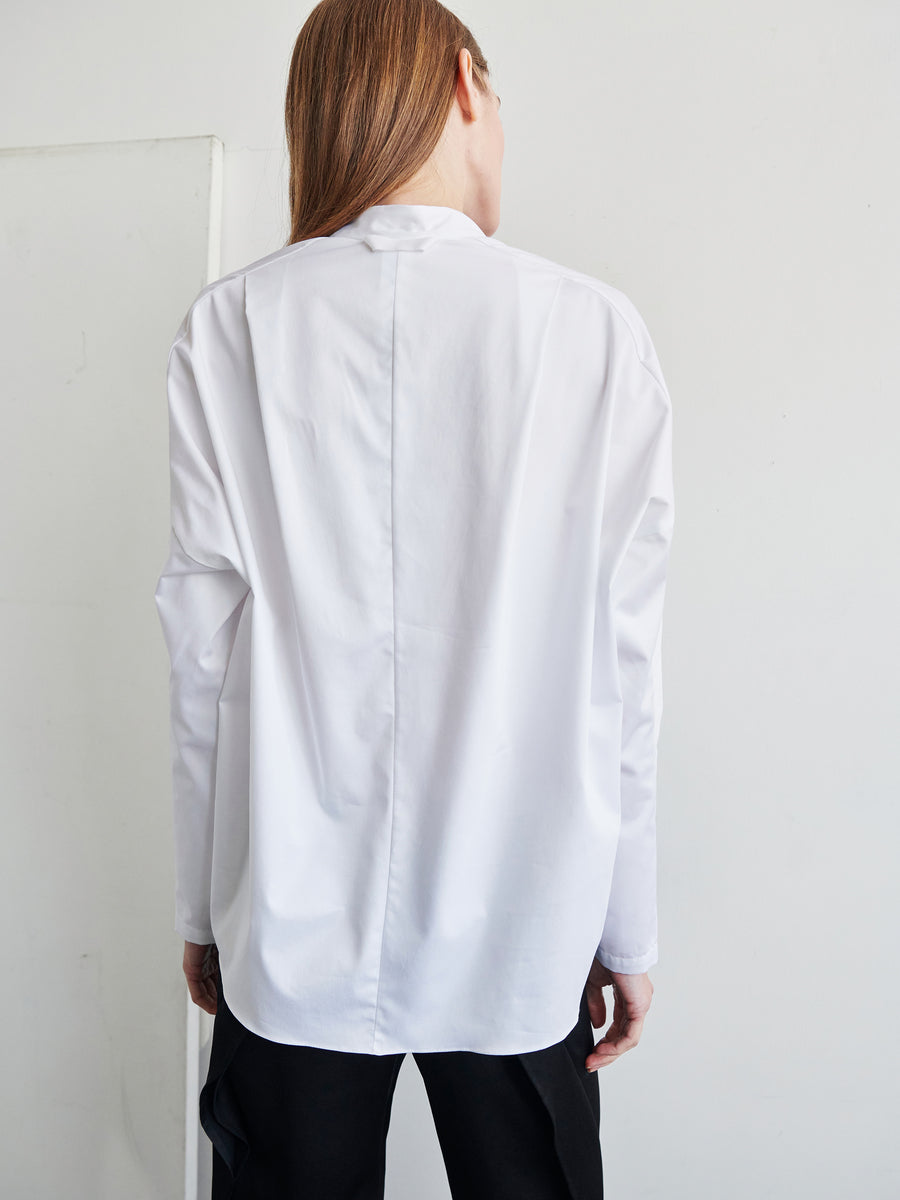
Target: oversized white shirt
point(421, 513)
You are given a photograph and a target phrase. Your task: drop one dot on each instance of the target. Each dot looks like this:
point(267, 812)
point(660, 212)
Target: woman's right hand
point(631, 999)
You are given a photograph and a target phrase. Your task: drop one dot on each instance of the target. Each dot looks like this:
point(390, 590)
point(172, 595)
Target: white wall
point(733, 168)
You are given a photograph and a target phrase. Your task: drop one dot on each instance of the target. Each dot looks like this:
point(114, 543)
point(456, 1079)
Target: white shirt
point(421, 510)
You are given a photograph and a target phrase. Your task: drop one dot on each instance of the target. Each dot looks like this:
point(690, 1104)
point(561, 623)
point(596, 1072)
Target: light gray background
point(734, 170)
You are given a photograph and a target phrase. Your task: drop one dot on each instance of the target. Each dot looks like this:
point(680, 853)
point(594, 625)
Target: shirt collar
point(408, 226)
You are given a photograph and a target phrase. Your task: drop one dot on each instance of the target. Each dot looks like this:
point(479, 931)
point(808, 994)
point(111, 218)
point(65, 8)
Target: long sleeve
point(639, 507)
point(199, 598)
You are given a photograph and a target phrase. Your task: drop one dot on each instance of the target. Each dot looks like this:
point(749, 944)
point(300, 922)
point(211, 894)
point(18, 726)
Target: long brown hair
point(370, 87)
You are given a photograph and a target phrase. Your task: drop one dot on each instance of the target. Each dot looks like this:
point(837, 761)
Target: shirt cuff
point(192, 933)
point(634, 965)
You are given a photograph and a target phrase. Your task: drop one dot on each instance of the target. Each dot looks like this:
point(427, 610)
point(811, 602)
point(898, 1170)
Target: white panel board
point(102, 248)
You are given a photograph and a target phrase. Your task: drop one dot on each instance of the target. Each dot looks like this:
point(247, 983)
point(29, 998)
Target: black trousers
point(305, 1123)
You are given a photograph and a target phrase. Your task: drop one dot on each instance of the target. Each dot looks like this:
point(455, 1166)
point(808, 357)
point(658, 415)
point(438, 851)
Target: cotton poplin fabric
point(421, 516)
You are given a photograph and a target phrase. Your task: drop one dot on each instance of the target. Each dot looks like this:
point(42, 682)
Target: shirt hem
point(262, 1029)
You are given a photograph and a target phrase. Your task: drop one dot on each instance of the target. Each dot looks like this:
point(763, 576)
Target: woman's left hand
point(201, 967)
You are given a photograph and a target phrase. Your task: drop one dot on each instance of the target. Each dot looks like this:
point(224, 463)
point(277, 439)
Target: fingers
point(203, 994)
point(201, 968)
point(623, 1034)
point(614, 1044)
point(596, 1003)
point(632, 994)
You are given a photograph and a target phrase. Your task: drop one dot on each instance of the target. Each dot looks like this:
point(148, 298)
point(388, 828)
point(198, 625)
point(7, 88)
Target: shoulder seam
point(239, 272)
point(580, 278)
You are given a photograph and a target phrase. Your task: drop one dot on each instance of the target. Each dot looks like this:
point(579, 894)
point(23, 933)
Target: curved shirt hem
point(389, 1046)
